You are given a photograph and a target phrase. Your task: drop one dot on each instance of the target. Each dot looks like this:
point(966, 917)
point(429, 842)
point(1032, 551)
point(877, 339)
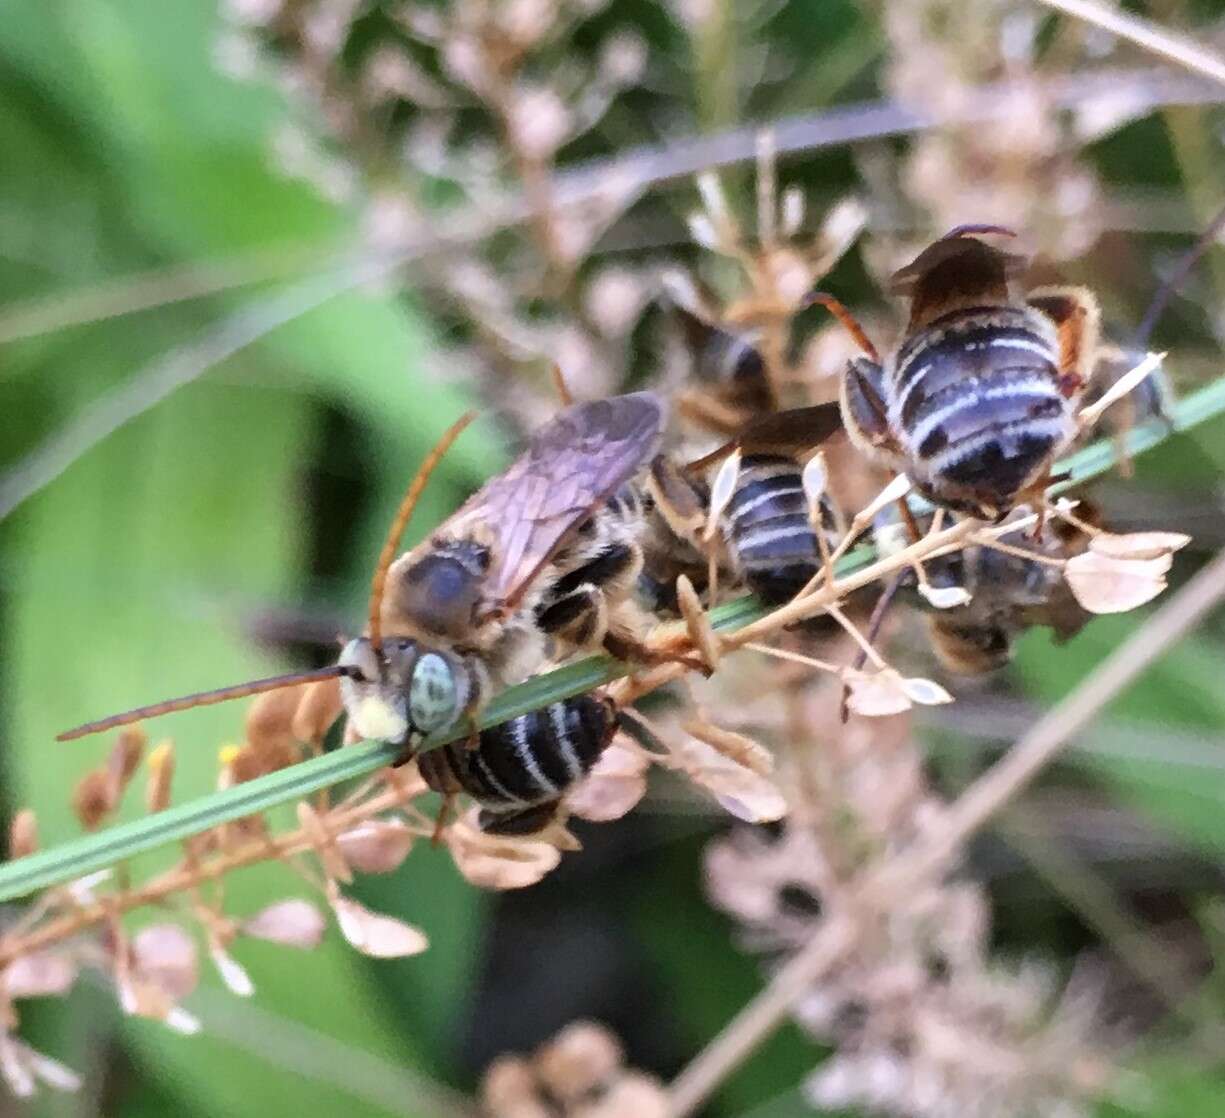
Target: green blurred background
point(199, 543)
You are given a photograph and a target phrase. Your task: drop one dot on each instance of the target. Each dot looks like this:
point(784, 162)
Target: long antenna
point(403, 513)
point(1166, 291)
point(203, 699)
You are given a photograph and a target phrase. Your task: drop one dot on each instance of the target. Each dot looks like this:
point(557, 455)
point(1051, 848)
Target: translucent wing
point(788, 432)
point(572, 465)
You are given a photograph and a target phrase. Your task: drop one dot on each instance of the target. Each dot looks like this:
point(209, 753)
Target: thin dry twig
point(1147, 35)
point(940, 846)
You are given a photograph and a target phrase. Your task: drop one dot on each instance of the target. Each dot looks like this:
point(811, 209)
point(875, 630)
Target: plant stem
point(933, 853)
point(744, 620)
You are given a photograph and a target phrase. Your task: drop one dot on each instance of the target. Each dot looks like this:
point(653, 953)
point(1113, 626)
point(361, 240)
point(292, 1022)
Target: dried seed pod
point(613, 787)
point(164, 956)
point(319, 706)
point(376, 845)
point(509, 1090)
point(161, 777)
point(496, 862)
point(39, 974)
point(374, 933)
point(580, 1059)
point(124, 759)
point(293, 923)
point(23, 833)
point(91, 799)
point(269, 727)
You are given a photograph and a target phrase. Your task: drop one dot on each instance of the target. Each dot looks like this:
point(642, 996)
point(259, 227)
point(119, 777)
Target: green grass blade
point(81, 856)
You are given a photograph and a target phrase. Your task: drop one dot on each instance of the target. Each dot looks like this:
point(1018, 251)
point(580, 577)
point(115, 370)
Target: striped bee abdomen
point(768, 533)
point(525, 763)
point(976, 400)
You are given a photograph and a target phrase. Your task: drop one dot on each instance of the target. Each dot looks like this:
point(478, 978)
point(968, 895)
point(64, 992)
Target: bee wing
point(572, 464)
point(789, 432)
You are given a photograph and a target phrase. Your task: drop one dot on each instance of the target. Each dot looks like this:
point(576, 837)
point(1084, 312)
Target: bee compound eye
point(433, 694)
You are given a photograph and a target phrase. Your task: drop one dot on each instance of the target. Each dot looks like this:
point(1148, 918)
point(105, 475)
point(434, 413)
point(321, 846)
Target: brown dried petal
point(738, 790)
point(319, 707)
point(582, 1057)
point(1138, 545)
point(376, 934)
point(293, 923)
point(125, 757)
point(23, 834)
point(269, 725)
point(509, 1086)
point(161, 777)
point(614, 786)
point(91, 799)
point(243, 763)
point(39, 974)
point(876, 694)
point(493, 862)
point(633, 1095)
point(538, 122)
point(1103, 584)
point(376, 845)
point(164, 956)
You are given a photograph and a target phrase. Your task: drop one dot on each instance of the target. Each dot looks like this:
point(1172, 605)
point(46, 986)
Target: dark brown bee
point(535, 563)
point(730, 383)
point(982, 393)
point(1009, 594)
point(766, 519)
point(519, 771)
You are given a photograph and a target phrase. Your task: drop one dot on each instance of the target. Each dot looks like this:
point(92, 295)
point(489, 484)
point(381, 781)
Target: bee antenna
point(977, 231)
point(1175, 279)
point(204, 699)
point(403, 513)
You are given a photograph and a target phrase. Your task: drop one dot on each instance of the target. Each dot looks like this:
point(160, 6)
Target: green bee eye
point(432, 696)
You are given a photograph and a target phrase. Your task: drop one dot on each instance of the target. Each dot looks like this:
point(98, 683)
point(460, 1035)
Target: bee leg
point(444, 818)
point(579, 618)
point(1076, 315)
point(529, 821)
point(864, 412)
point(849, 322)
point(631, 650)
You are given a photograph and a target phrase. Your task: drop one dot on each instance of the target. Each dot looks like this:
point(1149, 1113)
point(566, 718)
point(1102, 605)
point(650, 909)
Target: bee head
point(401, 690)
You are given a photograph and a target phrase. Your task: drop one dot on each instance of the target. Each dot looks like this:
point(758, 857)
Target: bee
point(982, 393)
point(1152, 399)
point(536, 562)
point(731, 382)
point(519, 770)
point(1009, 594)
point(772, 531)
